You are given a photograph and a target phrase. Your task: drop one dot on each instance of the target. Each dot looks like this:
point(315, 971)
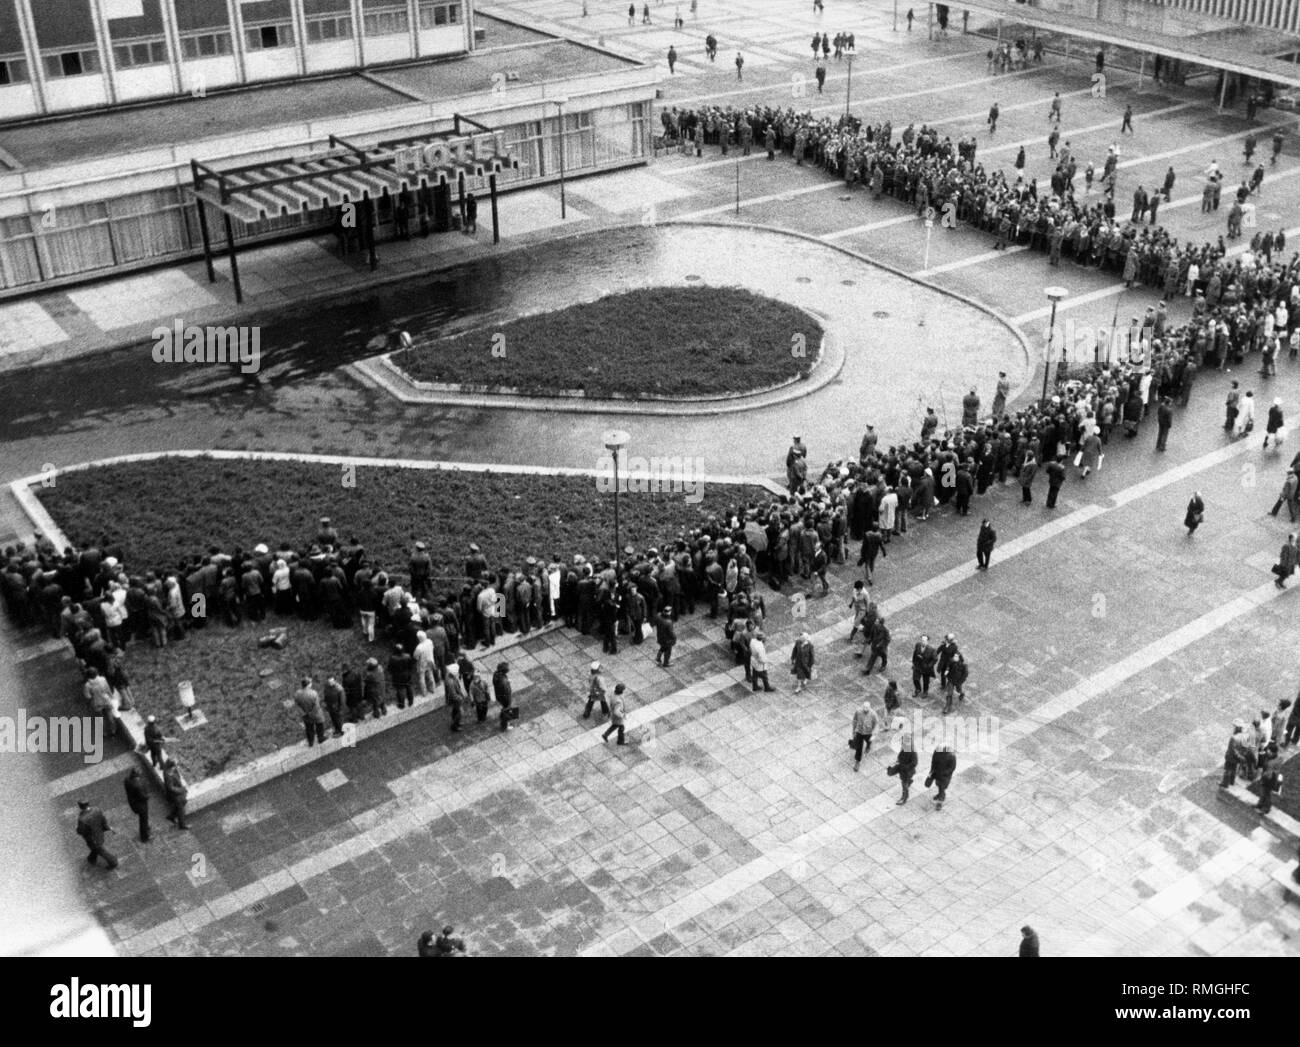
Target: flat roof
point(537, 58)
point(1195, 49)
point(537, 64)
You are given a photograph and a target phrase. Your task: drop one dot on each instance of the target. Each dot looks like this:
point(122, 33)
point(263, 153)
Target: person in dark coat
point(1195, 514)
point(92, 827)
point(1055, 478)
point(1275, 422)
point(923, 657)
point(943, 764)
point(984, 542)
point(401, 669)
point(1028, 941)
point(957, 673)
point(1286, 561)
point(1165, 420)
point(177, 793)
point(137, 798)
point(372, 684)
point(153, 739)
point(666, 636)
point(904, 767)
point(353, 692)
point(1027, 472)
point(504, 694)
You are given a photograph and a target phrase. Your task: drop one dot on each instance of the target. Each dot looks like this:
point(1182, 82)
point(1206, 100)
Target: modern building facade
point(62, 55)
point(106, 187)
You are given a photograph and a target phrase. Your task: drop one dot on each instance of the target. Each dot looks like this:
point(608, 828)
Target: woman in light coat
point(1091, 451)
point(888, 511)
point(1245, 415)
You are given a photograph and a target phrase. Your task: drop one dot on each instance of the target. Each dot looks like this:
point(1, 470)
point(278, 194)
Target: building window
point(267, 37)
point(388, 23)
point(437, 15)
point(323, 30)
point(70, 63)
point(139, 52)
point(206, 45)
point(13, 71)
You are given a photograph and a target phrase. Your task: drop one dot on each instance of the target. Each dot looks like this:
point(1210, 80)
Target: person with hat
point(1028, 941)
point(137, 798)
point(666, 636)
point(504, 695)
point(313, 716)
point(401, 667)
point(92, 827)
point(454, 690)
point(796, 465)
point(372, 688)
point(153, 739)
point(1235, 754)
point(332, 697)
point(617, 716)
point(326, 535)
point(421, 572)
point(595, 693)
point(1276, 427)
point(475, 564)
point(176, 792)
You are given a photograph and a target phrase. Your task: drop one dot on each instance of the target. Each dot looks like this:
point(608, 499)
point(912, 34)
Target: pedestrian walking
point(865, 722)
point(956, 680)
point(740, 66)
point(137, 798)
point(993, 118)
point(904, 767)
point(1276, 425)
point(802, 658)
point(1028, 941)
point(1195, 515)
point(504, 695)
point(758, 661)
point(666, 635)
point(92, 827)
point(923, 659)
point(617, 716)
point(879, 647)
point(910, 16)
point(595, 693)
point(943, 765)
point(1127, 125)
point(859, 604)
point(1292, 734)
point(1054, 114)
point(1232, 407)
point(1286, 561)
point(1234, 755)
point(453, 688)
point(1164, 421)
point(1287, 495)
point(672, 59)
point(1055, 479)
point(873, 545)
point(944, 654)
point(176, 792)
point(984, 543)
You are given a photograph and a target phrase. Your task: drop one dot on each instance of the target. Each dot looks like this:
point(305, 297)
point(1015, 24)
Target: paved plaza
point(1108, 650)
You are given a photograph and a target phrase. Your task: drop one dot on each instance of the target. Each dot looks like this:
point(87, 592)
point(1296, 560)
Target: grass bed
point(663, 341)
point(161, 511)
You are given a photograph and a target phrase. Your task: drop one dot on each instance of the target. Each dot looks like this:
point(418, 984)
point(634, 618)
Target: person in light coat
point(1245, 415)
point(617, 716)
point(888, 513)
point(758, 661)
point(865, 722)
point(425, 676)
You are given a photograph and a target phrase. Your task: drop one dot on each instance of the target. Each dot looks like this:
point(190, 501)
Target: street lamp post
point(560, 103)
point(615, 441)
point(848, 94)
point(895, 15)
point(1054, 295)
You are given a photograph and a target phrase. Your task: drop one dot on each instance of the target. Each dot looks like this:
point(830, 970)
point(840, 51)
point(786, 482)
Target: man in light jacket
point(758, 662)
point(617, 716)
point(865, 722)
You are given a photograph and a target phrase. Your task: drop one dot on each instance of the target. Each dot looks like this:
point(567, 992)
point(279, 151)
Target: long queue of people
point(920, 168)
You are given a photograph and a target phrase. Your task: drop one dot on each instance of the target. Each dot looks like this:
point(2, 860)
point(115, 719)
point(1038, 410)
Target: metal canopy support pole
point(999, 32)
point(492, 189)
point(207, 240)
point(1067, 47)
point(460, 189)
point(234, 261)
point(929, 22)
point(368, 210)
point(1142, 65)
point(1223, 91)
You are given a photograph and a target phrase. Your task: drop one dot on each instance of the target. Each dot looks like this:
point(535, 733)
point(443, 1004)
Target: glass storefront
point(92, 239)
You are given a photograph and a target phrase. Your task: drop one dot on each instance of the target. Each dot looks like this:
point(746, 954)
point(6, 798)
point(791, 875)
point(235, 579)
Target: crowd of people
point(926, 171)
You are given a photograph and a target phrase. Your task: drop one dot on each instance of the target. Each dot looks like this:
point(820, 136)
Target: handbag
point(1078, 458)
point(892, 770)
point(929, 781)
